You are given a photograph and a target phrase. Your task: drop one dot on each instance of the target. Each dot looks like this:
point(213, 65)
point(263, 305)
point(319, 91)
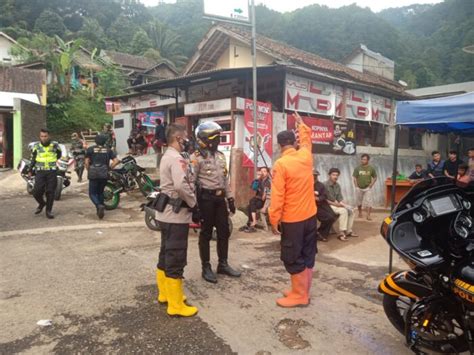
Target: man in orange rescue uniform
point(293, 208)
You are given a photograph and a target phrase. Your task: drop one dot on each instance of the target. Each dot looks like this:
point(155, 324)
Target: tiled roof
point(130, 60)
point(22, 80)
point(285, 52)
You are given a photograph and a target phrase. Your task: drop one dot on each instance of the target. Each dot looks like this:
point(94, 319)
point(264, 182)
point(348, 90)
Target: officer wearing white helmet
point(215, 199)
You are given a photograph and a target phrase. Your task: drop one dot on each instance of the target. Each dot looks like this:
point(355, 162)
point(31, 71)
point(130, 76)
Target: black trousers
point(96, 191)
point(326, 217)
point(174, 249)
point(214, 215)
point(45, 183)
point(254, 205)
point(298, 245)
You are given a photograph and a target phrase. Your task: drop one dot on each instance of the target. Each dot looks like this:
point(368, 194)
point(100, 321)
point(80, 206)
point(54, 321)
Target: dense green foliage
point(75, 114)
point(425, 41)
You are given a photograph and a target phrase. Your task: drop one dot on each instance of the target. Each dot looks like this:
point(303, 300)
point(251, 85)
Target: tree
point(111, 82)
point(121, 32)
point(93, 34)
point(141, 43)
point(167, 43)
point(50, 23)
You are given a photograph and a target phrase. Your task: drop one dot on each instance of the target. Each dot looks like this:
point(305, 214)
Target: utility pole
point(254, 91)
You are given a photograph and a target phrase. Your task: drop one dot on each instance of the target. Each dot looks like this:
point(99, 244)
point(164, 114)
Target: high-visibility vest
point(46, 157)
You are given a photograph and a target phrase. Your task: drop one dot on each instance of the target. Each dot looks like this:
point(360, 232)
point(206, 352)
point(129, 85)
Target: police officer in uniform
point(44, 156)
point(177, 207)
point(213, 191)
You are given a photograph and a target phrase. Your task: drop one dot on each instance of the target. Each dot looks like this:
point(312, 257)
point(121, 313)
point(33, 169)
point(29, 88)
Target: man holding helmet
point(213, 191)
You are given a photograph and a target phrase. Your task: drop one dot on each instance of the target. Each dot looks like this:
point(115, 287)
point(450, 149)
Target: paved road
point(95, 281)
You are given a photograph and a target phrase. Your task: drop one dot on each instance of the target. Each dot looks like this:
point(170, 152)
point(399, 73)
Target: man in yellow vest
point(45, 154)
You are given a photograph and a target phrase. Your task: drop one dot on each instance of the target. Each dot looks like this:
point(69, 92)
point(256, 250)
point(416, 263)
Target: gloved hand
point(196, 215)
point(231, 203)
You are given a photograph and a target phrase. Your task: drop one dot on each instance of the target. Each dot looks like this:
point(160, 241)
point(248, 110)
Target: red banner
point(322, 130)
point(264, 149)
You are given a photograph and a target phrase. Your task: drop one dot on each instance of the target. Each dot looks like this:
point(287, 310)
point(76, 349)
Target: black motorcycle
point(127, 178)
point(432, 304)
point(154, 225)
point(79, 156)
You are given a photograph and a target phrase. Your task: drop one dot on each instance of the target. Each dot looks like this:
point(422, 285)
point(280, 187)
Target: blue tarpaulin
point(445, 114)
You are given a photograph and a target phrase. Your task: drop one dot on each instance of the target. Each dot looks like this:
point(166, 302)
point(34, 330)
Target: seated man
point(463, 174)
point(136, 142)
point(325, 214)
point(335, 200)
point(418, 174)
point(262, 187)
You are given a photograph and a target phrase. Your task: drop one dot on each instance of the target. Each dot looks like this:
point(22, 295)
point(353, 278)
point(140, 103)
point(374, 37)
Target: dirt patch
point(145, 326)
point(288, 333)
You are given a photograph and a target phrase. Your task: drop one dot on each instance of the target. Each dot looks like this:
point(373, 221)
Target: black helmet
point(100, 139)
point(208, 135)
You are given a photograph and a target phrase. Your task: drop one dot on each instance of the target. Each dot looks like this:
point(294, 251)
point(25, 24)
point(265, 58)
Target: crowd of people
point(196, 188)
point(453, 167)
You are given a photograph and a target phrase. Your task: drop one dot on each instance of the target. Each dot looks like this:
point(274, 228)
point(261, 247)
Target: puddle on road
point(288, 333)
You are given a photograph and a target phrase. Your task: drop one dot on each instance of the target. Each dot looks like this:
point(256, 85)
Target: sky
point(285, 5)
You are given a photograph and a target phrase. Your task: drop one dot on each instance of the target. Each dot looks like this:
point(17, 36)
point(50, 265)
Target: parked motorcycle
point(432, 303)
point(24, 167)
point(63, 173)
point(154, 225)
point(127, 178)
point(79, 156)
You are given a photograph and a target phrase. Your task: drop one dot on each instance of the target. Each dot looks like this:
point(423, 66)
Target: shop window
point(411, 138)
point(370, 134)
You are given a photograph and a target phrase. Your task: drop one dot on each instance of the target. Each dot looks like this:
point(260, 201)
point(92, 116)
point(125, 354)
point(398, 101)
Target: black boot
point(208, 274)
point(39, 209)
point(225, 269)
point(100, 211)
point(49, 215)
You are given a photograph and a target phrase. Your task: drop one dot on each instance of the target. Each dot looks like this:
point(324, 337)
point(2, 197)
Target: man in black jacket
point(325, 215)
point(160, 140)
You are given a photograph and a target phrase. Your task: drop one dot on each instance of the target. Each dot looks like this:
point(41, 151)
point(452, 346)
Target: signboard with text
point(264, 149)
point(234, 10)
point(305, 95)
point(318, 98)
point(328, 135)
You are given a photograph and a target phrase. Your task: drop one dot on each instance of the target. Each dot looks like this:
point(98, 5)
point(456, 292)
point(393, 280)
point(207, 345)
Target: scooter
point(153, 224)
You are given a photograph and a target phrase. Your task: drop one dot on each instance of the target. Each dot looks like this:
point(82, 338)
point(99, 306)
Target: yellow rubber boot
point(176, 306)
point(161, 284)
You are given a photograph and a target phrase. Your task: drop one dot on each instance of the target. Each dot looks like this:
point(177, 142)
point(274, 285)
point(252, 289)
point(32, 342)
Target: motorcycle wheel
point(111, 198)
point(152, 223)
point(145, 184)
point(395, 309)
point(59, 190)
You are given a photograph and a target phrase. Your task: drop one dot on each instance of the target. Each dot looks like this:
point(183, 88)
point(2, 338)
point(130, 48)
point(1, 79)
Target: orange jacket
point(292, 196)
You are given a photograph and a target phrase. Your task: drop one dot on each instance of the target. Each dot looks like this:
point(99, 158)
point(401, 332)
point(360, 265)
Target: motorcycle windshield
point(425, 185)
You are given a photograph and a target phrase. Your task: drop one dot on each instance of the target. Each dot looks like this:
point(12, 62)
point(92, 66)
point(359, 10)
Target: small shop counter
point(403, 186)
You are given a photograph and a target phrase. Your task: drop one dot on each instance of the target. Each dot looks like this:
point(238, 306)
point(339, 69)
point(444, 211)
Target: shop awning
point(7, 98)
point(445, 114)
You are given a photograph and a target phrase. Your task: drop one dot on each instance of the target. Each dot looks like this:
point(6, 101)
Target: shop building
point(351, 112)
point(22, 112)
